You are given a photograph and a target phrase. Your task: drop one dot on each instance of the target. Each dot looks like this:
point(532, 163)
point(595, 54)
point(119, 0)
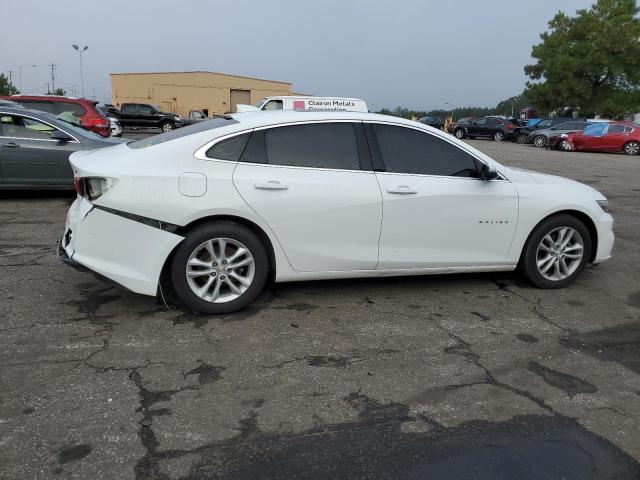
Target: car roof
point(53, 98)
point(260, 118)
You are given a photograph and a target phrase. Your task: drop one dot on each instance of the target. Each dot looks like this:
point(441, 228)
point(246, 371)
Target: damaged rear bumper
point(116, 246)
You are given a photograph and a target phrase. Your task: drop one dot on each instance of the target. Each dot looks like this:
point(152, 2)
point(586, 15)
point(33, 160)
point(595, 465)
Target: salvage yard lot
point(474, 376)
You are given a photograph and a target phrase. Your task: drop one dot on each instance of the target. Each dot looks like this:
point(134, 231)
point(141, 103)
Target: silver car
point(540, 138)
point(35, 148)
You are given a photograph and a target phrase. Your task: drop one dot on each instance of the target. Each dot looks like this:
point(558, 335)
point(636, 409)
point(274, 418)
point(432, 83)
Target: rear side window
point(494, 121)
point(75, 108)
point(616, 129)
point(316, 145)
point(42, 106)
point(406, 150)
point(230, 148)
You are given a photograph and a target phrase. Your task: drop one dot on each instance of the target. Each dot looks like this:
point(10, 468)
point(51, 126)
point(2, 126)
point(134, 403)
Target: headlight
point(604, 204)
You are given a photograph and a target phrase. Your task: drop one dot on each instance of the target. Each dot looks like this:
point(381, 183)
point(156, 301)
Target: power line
point(10, 77)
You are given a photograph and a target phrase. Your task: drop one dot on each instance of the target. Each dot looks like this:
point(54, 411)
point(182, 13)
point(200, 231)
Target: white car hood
point(521, 175)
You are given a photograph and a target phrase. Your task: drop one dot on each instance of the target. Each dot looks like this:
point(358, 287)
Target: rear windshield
point(182, 132)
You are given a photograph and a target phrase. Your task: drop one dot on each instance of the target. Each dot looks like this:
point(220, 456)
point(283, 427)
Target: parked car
point(498, 128)
point(615, 137)
point(35, 148)
point(463, 121)
point(195, 116)
point(9, 103)
point(221, 206)
point(291, 102)
point(114, 122)
point(435, 122)
point(90, 117)
point(541, 124)
point(144, 115)
point(540, 138)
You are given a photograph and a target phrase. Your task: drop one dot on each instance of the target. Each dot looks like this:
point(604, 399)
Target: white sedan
point(222, 206)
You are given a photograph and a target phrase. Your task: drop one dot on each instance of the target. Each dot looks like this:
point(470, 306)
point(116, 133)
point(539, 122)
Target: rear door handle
point(402, 190)
point(271, 185)
point(11, 145)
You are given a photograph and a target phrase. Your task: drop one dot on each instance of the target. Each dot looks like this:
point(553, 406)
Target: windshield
point(261, 102)
point(183, 132)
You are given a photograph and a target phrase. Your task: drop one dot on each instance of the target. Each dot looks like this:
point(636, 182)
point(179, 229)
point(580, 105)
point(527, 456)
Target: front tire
point(565, 146)
point(460, 133)
point(167, 126)
point(632, 148)
point(498, 136)
point(220, 267)
point(522, 138)
point(556, 252)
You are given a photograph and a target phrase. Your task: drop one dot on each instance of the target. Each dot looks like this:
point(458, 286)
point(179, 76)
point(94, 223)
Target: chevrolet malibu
point(220, 207)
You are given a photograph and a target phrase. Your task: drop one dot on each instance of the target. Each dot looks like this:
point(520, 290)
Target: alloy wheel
point(220, 270)
point(565, 145)
point(540, 141)
point(559, 253)
point(498, 136)
point(460, 134)
point(632, 148)
point(167, 127)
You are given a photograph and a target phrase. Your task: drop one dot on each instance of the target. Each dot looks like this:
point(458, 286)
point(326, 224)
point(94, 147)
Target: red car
point(601, 137)
point(90, 117)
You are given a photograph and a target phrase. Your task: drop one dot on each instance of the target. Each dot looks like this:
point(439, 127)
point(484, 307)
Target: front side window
point(545, 124)
point(273, 105)
point(147, 109)
point(406, 150)
point(17, 126)
point(315, 145)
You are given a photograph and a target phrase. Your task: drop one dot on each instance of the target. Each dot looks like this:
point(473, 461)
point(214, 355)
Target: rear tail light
point(93, 188)
point(98, 122)
point(510, 126)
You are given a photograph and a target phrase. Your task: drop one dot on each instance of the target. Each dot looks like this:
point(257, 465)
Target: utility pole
point(53, 77)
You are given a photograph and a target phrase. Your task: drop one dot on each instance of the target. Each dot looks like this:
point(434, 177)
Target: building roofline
point(201, 71)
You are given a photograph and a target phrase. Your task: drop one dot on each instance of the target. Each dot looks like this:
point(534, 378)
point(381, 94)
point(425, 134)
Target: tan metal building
point(179, 92)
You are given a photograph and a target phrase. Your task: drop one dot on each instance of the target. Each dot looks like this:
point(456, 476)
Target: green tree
point(58, 91)
point(590, 62)
point(7, 88)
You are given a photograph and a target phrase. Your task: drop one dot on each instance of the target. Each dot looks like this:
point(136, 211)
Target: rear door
point(313, 184)
point(28, 155)
point(615, 138)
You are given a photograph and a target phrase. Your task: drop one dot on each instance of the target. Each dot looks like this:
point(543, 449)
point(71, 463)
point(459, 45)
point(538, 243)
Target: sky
point(420, 54)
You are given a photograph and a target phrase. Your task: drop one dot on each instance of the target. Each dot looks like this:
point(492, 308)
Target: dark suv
point(435, 122)
point(498, 128)
point(147, 116)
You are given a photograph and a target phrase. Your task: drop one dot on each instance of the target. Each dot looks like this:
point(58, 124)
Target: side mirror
point(60, 136)
point(488, 172)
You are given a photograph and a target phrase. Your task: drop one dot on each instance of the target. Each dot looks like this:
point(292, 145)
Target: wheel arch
point(183, 231)
point(583, 217)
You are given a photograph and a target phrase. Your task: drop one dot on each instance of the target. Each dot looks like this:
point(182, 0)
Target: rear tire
point(546, 261)
point(498, 136)
point(632, 148)
point(202, 270)
point(540, 141)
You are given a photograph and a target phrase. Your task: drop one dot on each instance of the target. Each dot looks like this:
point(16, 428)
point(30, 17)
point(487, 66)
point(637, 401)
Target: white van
point(312, 103)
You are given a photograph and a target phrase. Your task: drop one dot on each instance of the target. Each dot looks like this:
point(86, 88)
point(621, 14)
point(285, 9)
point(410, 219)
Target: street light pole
point(81, 51)
point(20, 74)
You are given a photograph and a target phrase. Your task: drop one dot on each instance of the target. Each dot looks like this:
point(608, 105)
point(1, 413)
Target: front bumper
point(606, 239)
point(123, 250)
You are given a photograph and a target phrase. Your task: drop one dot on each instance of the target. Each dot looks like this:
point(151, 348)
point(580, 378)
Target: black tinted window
point(229, 149)
point(320, 145)
point(128, 108)
point(146, 109)
point(494, 121)
point(405, 150)
point(616, 129)
point(42, 106)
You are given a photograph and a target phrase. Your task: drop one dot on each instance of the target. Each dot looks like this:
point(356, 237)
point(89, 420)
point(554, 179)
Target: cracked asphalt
point(472, 376)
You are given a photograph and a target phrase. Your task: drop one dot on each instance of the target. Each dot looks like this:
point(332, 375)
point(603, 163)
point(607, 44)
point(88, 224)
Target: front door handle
point(271, 185)
point(402, 190)
point(11, 145)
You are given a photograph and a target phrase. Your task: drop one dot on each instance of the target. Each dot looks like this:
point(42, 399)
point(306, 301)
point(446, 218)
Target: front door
point(478, 127)
point(313, 173)
point(28, 155)
point(436, 212)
